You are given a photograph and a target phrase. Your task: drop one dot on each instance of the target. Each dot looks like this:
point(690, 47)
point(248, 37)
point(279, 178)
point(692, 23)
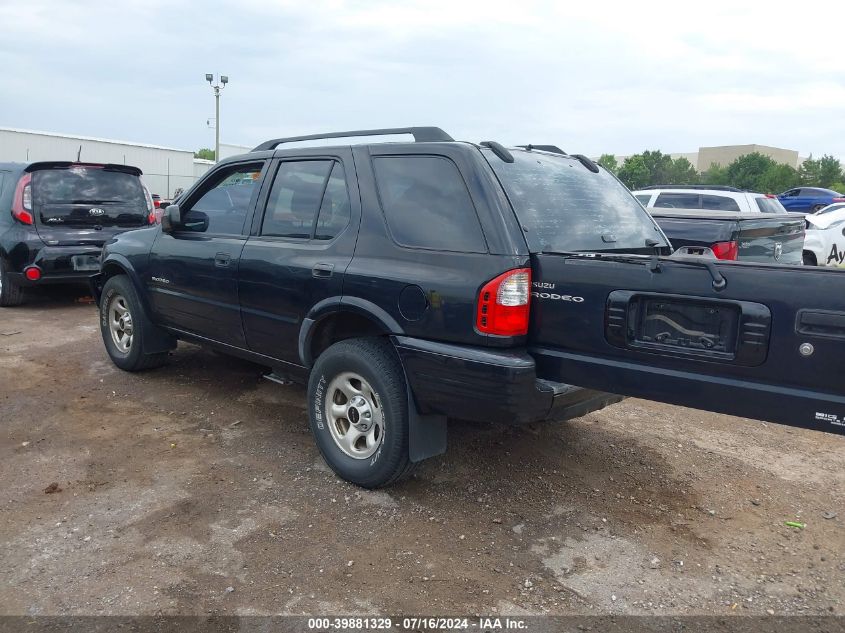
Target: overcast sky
point(590, 76)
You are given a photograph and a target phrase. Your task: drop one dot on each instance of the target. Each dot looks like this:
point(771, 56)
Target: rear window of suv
point(564, 207)
point(85, 195)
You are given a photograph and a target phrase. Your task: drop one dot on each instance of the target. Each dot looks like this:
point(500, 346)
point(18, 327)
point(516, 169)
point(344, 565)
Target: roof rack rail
point(499, 150)
point(712, 187)
point(420, 134)
point(552, 149)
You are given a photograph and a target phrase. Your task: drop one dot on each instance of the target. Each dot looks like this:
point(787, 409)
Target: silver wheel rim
point(354, 415)
point(120, 323)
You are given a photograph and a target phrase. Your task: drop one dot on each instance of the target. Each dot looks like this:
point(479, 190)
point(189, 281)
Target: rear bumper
point(60, 264)
point(489, 385)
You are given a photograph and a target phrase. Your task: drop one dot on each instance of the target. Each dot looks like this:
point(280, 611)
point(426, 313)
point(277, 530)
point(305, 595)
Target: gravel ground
point(196, 489)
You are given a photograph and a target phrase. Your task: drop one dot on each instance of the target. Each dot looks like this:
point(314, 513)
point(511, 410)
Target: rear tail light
point(151, 206)
point(771, 195)
point(725, 250)
point(33, 273)
point(837, 200)
point(22, 200)
point(503, 304)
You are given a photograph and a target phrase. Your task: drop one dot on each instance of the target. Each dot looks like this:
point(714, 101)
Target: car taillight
point(151, 206)
point(725, 250)
point(837, 200)
point(33, 273)
point(771, 195)
point(22, 200)
point(504, 303)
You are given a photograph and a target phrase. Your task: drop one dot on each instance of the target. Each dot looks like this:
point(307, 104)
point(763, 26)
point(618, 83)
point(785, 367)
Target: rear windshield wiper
point(719, 281)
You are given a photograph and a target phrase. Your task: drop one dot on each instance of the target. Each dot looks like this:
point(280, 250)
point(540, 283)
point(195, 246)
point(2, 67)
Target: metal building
point(165, 169)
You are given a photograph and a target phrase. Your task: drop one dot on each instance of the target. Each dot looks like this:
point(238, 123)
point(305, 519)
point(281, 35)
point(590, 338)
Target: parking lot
point(196, 488)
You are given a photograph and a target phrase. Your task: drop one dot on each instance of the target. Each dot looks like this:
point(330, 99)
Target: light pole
point(217, 87)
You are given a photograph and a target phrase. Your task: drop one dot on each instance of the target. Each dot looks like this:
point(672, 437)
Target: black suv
point(411, 282)
point(56, 216)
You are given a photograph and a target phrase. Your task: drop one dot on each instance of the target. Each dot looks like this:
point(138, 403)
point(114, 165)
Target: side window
point(335, 208)
point(223, 208)
point(643, 198)
point(792, 193)
point(427, 205)
point(718, 203)
point(677, 201)
point(295, 198)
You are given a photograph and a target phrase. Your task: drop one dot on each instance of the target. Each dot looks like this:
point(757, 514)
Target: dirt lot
point(196, 488)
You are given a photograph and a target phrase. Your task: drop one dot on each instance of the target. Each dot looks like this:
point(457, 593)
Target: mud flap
point(426, 433)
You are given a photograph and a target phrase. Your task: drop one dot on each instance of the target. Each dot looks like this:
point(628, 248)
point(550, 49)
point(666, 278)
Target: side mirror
point(171, 219)
point(196, 221)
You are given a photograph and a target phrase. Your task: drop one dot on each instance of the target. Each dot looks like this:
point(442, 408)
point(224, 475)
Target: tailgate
point(770, 345)
point(768, 238)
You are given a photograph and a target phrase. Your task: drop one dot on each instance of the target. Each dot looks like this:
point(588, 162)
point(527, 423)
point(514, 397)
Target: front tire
point(11, 294)
point(358, 412)
point(122, 325)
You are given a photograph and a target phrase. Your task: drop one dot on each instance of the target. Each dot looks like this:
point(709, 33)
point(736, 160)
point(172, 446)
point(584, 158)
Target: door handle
point(821, 323)
point(222, 260)
point(322, 271)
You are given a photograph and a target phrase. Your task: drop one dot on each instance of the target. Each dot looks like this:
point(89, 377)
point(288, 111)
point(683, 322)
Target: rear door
point(78, 204)
point(755, 340)
point(303, 239)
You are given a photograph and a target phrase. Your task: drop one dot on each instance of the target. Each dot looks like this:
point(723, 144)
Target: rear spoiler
point(65, 164)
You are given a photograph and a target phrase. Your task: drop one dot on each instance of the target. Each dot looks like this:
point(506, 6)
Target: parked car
point(809, 199)
point(56, 216)
point(710, 197)
point(731, 223)
point(411, 282)
point(825, 241)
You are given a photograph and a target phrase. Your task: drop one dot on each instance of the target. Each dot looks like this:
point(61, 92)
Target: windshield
point(565, 207)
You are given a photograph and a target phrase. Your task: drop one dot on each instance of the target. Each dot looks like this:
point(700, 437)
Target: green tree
point(778, 178)
point(714, 175)
point(682, 173)
point(746, 172)
point(809, 172)
point(830, 171)
point(838, 186)
point(634, 172)
point(204, 153)
point(659, 167)
point(609, 162)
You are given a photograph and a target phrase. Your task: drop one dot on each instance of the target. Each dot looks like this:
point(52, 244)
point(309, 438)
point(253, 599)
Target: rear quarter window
point(718, 203)
point(677, 201)
point(769, 205)
point(643, 198)
point(427, 205)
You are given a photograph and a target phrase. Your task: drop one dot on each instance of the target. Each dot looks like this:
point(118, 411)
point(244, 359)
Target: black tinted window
point(427, 204)
point(677, 201)
point(566, 207)
point(295, 198)
point(718, 203)
point(226, 204)
point(335, 208)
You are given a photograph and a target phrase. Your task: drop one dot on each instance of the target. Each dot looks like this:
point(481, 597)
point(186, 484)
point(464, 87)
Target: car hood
point(825, 220)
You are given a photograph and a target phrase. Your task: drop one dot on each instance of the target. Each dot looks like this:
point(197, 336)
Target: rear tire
point(11, 294)
point(122, 325)
point(358, 412)
point(818, 207)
